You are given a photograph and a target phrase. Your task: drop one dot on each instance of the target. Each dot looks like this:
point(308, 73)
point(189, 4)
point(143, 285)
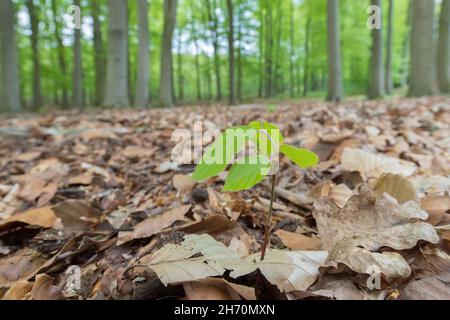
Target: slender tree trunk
point(239, 57)
point(404, 70)
point(99, 54)
point(116, 90)
point(376, 86)
point(444, 48)
point(268, 53)
point(231, 97)
point(306, 61)
point(196, 59)
point(10, 79)
point(166, 81)
point(292, 44)
point(388, 81)
point(34, 21)
point(277, 76)
point(143, 62)
point(61, 55)
point(215, 40)
point(78, 67)
point(335, 86)
point(261, 50)
point(180, 69)
point(422, 66)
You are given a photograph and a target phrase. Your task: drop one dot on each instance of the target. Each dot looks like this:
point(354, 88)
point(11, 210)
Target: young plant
point(251, 168)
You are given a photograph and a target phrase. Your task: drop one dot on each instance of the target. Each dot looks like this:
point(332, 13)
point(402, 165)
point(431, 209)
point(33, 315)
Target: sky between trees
point(166, 52)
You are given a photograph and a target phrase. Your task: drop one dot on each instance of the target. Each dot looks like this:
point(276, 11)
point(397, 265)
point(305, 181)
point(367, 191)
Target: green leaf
point(217, 157)
point(301, 157)
point(265, 144)
point(247, 174)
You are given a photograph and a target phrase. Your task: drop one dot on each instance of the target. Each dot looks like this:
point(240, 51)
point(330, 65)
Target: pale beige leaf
point(436, 206)
point(18, 290)
point(340, 194)
point(197, 257)
point(137, 152)
point(288, 270)
point(373, 165)
point(396, 186)
point(183, 183)
point(430, 288)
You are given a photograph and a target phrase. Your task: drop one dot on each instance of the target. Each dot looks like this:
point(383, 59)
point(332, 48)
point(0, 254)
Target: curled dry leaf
point(373, 165)
point(297, 241)
point(43, 289)
point(43, 217)
point(340, 194)
point(436, 206)
point(76, 215)
point(396, 186)
point(183, 183)
point(217, 289)
point(18, 290)
point(288, 270)
point(154, 224)
point(367, 223)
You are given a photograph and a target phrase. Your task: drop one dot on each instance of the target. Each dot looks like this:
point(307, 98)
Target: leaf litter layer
point(93, 207)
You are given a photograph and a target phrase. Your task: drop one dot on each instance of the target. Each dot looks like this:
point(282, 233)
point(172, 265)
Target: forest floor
point(93, 207)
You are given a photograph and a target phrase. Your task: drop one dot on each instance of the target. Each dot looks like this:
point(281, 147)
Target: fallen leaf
point(396, 186)
point(373, 165)
point(431, 288)
point(296, 241)
point(43, 289)
point(183, 183)
point(75, 215)
point(28, 156)
point(18, 290)
point(288, 270)
point(154, 224)
point(436, 206)
point(198, 257)
point(136, 152)
point(43, 217)
point(217, 289)
point(340, 194)
point(367, 223)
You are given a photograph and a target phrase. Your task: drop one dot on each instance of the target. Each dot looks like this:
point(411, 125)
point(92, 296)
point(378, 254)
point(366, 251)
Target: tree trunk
point(166, 80)
point(231, 97)
point(196, 59)
point(143, 63)
point(444, 48)
point(261, 49)
point(335, 87)
point(306, 62)
point(277, 77)
point(404, 70)
point(215, 40)
point(388, 81)
point(239, 57)
point(61, 55)
point(376, 86)
point(269, 46)
point(422, 66)
point(78, 67)
point(99, 54)
point(180, 69)
point(116, 90)
point(10, 79)
point(291, 58)
point(34, 21)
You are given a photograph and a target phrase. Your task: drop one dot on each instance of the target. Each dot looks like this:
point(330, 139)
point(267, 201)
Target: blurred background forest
point(167, 52)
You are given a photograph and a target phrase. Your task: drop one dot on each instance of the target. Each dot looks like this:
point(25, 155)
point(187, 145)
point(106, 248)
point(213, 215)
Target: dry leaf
point(340, 194)
point(18, 290)
point(43, 289)
point(154, 224)
point(430, 288)
point(76, 215)
point(183, 183)
point(373, 165)
point(298, 242)
point(288, 270)
point(354, 233)
point(43, 217)
point(396, 186)
point(217, 289)
point(198, 257)
point(136, 152)
point(436, 206)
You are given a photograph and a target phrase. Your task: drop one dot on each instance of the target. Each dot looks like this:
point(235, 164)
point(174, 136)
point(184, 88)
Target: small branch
point(269, 219)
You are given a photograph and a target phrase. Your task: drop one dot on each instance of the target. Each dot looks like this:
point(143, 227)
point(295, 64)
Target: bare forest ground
point(92, 207)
